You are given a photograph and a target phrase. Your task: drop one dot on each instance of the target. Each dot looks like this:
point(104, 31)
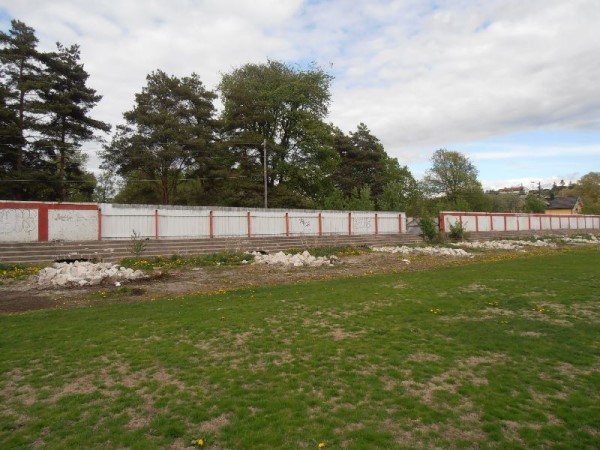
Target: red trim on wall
point(287, 224)
point(156, 224)
point(42, 224)
point(37, 205)
point(99, 224)
point(320, 224)
point(349, 224)
point(249, 220)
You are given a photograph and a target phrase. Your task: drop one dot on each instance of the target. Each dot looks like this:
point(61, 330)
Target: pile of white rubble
point(295, 260)
point(504, 244)
point(81, 273)
point(435, 251)
point(591, 239)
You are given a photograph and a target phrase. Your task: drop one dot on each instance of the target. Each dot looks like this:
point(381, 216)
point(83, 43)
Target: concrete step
point(111, 251)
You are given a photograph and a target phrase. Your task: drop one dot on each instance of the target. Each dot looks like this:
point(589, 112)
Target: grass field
point(501, 354)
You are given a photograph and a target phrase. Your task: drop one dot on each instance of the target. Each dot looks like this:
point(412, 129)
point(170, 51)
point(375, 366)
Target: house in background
point(564, 205)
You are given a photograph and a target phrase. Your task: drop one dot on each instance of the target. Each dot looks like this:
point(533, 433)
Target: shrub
point(428, 228)
point(137, 245)
point(457, 231)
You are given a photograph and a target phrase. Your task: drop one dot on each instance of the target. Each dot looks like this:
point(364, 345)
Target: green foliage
point(137, 244)
point(362, 161)
point(12, 272)
point(457, 231)
point(453, 180)
point(174, 261)
point(45, 117)
point(534, 204)
point(169, 134)
point(360, 200)
point(509, 203)
point(429, 229)
point(588, 189)
point(286, 107)
point(402, 193)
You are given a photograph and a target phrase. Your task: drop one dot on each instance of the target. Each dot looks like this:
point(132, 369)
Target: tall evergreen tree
point(363, 161)
point(168, 135)
point(68, 101)
point(21, 78)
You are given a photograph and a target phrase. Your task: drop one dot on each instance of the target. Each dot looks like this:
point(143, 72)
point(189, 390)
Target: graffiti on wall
point(18, 224)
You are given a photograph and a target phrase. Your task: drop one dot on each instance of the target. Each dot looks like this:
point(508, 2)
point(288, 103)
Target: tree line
point(174, 147)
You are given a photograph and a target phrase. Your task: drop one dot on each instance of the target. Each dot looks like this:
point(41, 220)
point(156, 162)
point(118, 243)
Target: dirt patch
point(25, 296)
point(423, 357)
point(215, 424)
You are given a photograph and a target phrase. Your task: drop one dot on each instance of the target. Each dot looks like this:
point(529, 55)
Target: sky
point(513, 85)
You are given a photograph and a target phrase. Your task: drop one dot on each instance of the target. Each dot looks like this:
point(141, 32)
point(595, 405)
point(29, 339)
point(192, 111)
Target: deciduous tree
point(285, 106)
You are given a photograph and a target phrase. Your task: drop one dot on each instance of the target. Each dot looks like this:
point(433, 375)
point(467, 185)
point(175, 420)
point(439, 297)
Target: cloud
point(523, 152)
point(421, 74)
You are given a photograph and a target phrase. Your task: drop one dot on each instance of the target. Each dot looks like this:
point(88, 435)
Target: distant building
point(518, 190)
point(564, 205)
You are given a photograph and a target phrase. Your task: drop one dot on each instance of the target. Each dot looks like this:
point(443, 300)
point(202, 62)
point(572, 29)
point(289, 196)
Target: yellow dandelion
point(322, 445)
point(200, 442)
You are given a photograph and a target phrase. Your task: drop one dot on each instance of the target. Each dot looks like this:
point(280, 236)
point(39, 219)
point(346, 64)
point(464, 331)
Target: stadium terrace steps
point(114, 250)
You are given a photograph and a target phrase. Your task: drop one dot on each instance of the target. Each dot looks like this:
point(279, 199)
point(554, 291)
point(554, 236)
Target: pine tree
point(168, 134)
point(21, 78)
point(68, 101)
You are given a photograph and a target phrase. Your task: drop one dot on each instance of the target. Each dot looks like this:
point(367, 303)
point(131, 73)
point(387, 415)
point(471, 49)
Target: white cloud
point(421, 77)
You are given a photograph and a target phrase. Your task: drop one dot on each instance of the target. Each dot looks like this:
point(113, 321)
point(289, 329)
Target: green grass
point(14, 272)
point(174, 261)
point(500, 354)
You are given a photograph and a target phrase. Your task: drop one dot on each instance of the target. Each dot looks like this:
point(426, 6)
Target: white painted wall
point(18, 225)
point(72, 225)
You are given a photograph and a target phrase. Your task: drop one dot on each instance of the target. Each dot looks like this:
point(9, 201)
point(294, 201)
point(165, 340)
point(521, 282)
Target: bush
point(428, 228)
point(457, 231)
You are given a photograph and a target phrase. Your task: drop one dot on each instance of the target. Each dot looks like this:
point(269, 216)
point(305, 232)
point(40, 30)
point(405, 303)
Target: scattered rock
point(436, 251)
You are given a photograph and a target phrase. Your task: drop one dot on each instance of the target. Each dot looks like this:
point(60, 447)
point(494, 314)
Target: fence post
point(505, 223)
point(400, 223)
point(349, 224)
point(99, 224)
point(442, 222)
point(156, 224)
point(249, 226)
point(476, 223)
point(376, 225)
point(211, 224)
point(491, 223)
point(320, 224)
point(287, 224)
point(529, 220)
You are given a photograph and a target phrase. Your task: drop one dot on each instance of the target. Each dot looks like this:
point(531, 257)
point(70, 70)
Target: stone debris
point(81, 273)
point(504, 244)
point(591, 239)
point(435, 251)
point(295, 260)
